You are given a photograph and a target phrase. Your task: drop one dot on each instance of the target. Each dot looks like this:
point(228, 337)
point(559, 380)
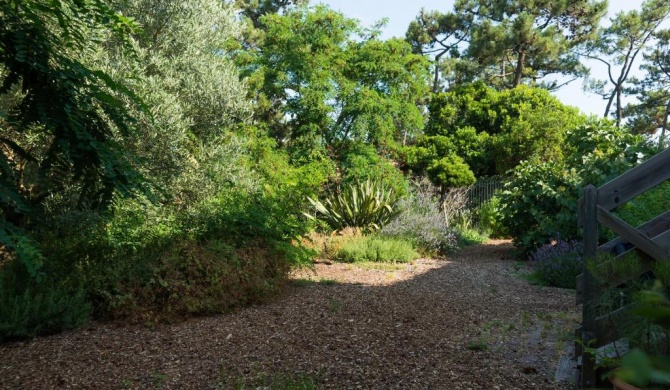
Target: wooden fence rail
point(652, 239)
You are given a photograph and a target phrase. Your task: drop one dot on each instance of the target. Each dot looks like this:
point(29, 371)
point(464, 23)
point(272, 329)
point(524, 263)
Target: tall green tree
point(182, 71)
point(619, 45)
point(493, 131)
point(61, 120)
point(253, 10)
point(321, 84)
point(652, 111)
point(525, 41)
point(439, 35)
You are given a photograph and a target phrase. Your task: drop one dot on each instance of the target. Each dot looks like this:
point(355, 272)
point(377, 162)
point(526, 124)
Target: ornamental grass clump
point(558, 263)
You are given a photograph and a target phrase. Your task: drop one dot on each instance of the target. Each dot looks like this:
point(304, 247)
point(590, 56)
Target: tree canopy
point(493, 131)
point(507, 43)
point(322, 83)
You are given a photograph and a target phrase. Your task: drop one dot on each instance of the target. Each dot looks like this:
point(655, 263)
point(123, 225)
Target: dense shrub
point(377, 249)
point(29, 308)
point(211, 246)
point(558, 263)
point(363, 163)
point(492, 131)
point(421, 223)
point(540, 200)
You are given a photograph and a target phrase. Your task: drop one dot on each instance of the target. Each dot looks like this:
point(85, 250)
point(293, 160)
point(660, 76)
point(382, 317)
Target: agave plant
point(365, 205)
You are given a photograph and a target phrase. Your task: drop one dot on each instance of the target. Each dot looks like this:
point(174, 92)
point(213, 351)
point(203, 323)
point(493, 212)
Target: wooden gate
point(651, 239)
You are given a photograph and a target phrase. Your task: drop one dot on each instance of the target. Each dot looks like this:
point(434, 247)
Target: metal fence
point(481, 192)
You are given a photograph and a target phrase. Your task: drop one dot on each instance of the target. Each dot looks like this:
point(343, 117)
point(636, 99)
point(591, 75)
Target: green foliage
point(437, 33)
point(450, 172)
point(29, 308)
point(524, 41)
point(493, 131)
point(365, 205)
point(506, 43)
point(466, 236)
point(376, 249)
point(540, 200)
point(364, 163)
point(421, 223)
point(653, 91)
point(322, 83)
point(644, 207)
point(618, 45)
point(182, 72)
point(490, 218)
point(649, 365)
point(61, 120)
point(65, 125)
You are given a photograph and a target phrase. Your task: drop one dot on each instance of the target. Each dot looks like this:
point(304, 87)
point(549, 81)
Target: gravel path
point(469, 322)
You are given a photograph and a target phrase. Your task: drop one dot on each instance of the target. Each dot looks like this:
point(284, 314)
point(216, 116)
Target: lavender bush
point(559, 263)
point(421, 223)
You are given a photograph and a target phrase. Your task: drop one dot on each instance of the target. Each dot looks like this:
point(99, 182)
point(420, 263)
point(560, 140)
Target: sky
point(401, 13)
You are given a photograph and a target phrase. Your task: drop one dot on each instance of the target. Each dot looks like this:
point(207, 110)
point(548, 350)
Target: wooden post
point(590, 214)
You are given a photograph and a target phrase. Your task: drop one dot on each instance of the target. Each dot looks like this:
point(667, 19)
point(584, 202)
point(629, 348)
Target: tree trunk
point(518, 74)
point(661, 139)
point(619, 109)
point(436, 77)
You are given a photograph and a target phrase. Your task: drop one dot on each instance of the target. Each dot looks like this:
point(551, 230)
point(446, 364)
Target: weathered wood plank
point(644, 267)
point(606, 329)
point(631, 235)
point(635, 181)
point(632, 183)
point(651, 228)
point(662, 240)
point(590, 215)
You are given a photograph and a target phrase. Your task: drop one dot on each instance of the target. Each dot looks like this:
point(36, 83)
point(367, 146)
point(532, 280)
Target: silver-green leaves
point(365, 205)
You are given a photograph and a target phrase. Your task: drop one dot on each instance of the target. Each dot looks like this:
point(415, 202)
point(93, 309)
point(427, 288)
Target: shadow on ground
point(467, 323)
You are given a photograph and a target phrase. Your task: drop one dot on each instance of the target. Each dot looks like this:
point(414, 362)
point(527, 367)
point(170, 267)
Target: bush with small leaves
point(559, 263)
point(422, 223)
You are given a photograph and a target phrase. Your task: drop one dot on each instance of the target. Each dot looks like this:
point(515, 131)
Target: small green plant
point(334, 305)
point(477, 345)
point(649, 363)
point(365, 205)
point(490, 218)
point(158, 379)
point(377, 249)
point(469, 237)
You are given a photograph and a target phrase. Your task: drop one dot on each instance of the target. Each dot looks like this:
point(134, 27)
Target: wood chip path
point(469, 322)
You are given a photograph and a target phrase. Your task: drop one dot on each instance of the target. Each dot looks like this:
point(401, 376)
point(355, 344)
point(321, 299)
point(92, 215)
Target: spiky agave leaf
point(365, 205)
